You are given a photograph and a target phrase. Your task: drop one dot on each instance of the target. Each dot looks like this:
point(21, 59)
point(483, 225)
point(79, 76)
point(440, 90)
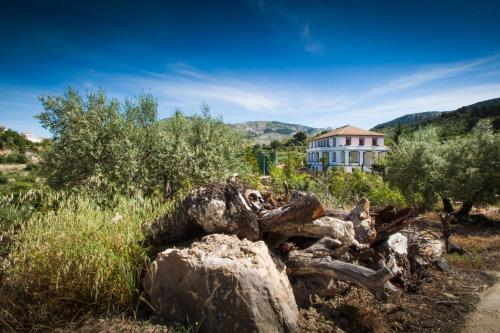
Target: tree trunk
point(303, 208)
point(447, 205)
point(465, 209)
point(316, 261)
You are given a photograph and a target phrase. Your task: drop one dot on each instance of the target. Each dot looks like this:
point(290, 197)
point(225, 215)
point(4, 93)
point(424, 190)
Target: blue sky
point(318, 63)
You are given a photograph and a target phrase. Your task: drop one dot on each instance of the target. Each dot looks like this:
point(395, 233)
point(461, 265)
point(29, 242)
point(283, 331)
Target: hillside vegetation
point(264, 132)
point(451, 123)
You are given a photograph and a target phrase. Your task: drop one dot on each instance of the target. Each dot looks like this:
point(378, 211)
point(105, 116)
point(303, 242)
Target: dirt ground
point(441, 302)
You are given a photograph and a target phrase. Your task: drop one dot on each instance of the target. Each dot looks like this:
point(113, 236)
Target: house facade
point(346, 147)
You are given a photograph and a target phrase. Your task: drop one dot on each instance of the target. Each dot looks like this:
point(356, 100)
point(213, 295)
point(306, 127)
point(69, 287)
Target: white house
point(31, 137)
point(346, 147)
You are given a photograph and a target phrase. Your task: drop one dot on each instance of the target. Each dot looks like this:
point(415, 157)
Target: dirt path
point(486, 317)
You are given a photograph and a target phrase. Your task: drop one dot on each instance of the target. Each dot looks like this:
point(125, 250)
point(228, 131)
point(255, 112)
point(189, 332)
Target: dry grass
point(477, 243)
point(479, 250)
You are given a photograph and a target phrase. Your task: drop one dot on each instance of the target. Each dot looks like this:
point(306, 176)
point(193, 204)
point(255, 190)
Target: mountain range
point(453, 122)
point(263, 132)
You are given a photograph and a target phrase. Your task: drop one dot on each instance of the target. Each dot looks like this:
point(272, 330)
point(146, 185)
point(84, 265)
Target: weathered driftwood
point(337, 213)
point(302, 209)
point(386, 227)
point(316, 260)
point(364, 225)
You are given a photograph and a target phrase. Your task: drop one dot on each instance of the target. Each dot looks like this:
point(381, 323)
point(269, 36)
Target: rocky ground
point(443, 301)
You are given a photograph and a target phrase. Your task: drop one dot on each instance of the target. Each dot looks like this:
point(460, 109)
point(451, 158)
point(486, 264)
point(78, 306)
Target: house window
point(342, 157)
point(374, 142)
point(361, 141)
point(334, 142)
point(334, 157)
point(347, 141)
point(328, 142)
point(324, 157)
point(354, 157)
point(316, 157)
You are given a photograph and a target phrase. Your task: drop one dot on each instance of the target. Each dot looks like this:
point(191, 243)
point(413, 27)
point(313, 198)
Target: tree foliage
point(124, 147)
point(464, 168)
point(472, 172)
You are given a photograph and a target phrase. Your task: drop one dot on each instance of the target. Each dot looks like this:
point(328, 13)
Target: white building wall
point(315, 153)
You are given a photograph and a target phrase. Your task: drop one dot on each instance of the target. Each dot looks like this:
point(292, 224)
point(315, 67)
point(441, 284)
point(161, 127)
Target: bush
point(3, 179)
point(349, 188)
point(13, 158)
point(289, 172)
point(31, 167)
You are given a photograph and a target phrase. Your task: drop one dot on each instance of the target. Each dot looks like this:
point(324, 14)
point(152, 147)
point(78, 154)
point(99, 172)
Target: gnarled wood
point(398, 221)
point(302, 209)
point(316, 260)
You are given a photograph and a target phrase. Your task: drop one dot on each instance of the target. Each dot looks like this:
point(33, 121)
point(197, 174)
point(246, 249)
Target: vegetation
point(349, 188)
point(73, 250)
point(449, 124)
point(10, 139)
point(124, 148)
point(70, 227)
point(13, 158)
point(336, 188)
point(425, 167)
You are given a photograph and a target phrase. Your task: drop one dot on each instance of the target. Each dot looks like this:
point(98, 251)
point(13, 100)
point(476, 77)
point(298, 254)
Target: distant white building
point(346, 147)
point(32, 138)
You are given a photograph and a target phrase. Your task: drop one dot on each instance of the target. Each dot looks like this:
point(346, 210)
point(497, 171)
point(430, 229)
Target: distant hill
point(409, 119)
point(267, 131)
point(455, 122)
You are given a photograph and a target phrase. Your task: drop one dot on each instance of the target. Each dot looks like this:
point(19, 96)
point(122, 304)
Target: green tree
point(275, 144)
point(300, 137)
point(93, 142)
point(416, 166)
point(472, 172)
point(123, 147)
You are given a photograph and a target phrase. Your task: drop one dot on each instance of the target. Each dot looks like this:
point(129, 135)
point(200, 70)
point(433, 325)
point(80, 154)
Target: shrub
point(349, 188)
point(31, 167)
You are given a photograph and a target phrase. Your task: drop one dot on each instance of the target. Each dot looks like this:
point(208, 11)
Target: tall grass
point(84, 252)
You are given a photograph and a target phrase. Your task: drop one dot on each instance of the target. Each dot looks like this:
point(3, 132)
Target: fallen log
point(400, 220)
point(302, 209)
point(315, 260)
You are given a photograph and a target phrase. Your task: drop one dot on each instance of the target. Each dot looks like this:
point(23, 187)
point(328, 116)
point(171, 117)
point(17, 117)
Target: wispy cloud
point(310, 44)
point(239, 97)
point(433, 73)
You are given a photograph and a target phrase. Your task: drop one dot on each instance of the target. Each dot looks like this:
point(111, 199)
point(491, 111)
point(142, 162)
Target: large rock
point(225, 284)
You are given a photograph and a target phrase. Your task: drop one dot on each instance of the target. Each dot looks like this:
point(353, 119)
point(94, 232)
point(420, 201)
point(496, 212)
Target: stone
point(223, 283)
point(398, 243)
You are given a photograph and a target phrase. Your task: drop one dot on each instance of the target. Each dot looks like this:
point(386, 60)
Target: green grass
point(79, 253)
point(13, 181)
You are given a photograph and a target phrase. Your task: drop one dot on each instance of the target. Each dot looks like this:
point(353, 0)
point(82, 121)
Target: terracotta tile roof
point(346, 130)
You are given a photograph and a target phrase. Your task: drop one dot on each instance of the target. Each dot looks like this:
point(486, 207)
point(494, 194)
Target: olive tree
point(92, 141)
point(472, 170)
point(124, 147)
point(416, 165)
point(464, 168)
